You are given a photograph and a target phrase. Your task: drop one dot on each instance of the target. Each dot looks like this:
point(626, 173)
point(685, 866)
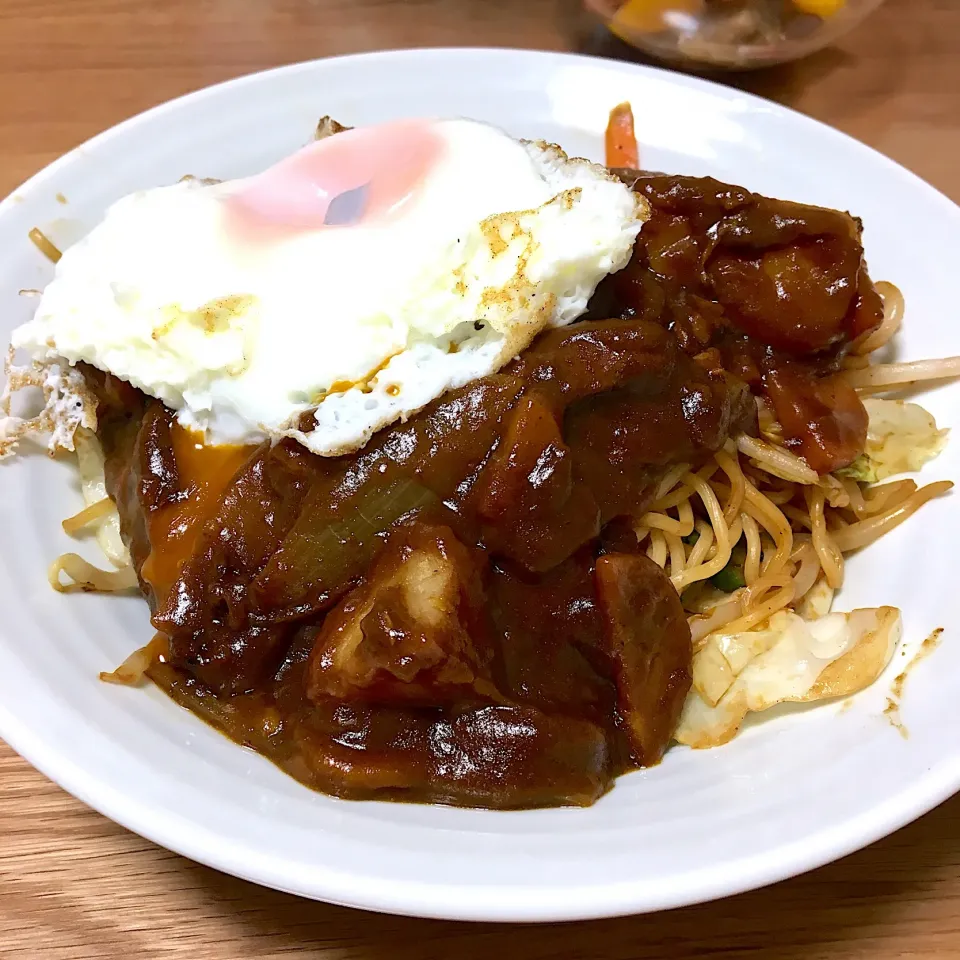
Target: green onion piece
point(863, 470)
point(322, 556)
point(730, 578)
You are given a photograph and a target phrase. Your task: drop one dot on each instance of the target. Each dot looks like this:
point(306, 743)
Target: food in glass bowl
point(731, 33)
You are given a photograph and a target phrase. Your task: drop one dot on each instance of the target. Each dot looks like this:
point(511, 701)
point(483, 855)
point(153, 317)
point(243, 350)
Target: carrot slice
point(621, 141)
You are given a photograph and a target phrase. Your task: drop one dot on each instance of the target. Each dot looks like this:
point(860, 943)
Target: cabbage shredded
point(901, 438)
point(789, 660)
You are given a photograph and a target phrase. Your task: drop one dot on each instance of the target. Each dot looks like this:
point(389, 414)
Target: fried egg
point(343, 288)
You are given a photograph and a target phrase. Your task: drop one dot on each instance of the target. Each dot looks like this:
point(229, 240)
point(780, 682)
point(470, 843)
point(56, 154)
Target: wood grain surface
point(75, 886)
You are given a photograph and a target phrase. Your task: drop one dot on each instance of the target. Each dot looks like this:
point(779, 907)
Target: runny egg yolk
point(203, 471)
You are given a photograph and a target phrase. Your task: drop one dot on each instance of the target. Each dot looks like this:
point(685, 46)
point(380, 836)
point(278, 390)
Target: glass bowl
point(731, 34)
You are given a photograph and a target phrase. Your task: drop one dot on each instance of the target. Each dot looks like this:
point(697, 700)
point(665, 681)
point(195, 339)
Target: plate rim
point(489, 903)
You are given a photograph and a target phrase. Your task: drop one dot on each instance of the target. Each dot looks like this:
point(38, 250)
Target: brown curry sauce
point(458, 612)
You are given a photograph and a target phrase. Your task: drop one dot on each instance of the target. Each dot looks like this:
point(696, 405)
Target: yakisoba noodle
point(99, 516)
point(894, 307)
point(793, 525)
point(868, 377)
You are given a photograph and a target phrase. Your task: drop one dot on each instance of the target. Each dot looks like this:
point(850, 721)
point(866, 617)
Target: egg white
point(333, 335)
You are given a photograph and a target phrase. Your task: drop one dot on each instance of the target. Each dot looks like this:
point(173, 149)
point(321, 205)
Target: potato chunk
point(413, 632)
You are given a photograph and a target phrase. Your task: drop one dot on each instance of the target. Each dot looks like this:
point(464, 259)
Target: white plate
point(789, 794)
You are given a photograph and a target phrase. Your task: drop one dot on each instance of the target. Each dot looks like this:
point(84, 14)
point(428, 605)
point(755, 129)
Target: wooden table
point(72, 884)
